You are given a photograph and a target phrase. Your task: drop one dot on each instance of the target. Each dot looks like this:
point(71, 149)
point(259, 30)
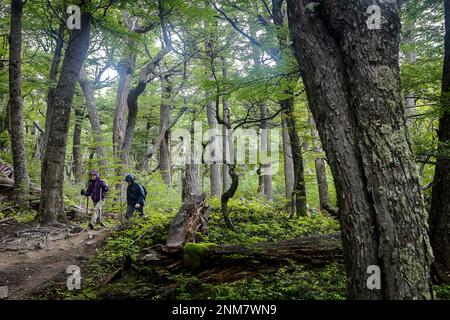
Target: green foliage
point(256, 221)
point(293, 282)
point(442, 291)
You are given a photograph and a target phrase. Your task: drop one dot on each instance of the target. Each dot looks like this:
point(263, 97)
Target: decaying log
point(227, 262)
point(189, 221)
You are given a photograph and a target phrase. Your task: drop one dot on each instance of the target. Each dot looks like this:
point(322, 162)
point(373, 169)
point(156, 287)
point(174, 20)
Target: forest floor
point(33, 257)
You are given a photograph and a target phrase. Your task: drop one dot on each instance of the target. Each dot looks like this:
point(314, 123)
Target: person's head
point(93, 175)
point(129, 179)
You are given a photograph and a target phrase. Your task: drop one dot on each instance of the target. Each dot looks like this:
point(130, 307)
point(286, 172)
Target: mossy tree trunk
point(21, 180)
point(440, 204)
point(352, 80)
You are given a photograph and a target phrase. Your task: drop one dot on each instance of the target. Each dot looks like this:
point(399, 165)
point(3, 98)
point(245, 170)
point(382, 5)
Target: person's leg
point(141, 211)
point(94, 216)
point(130, 210)
point(101, 205)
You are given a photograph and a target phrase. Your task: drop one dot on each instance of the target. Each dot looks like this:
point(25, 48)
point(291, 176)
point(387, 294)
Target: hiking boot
point(141, 214)
point(102, 224)
point(91, 226)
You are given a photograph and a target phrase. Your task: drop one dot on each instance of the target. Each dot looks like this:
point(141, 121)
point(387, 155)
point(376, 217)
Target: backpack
point(143, 191)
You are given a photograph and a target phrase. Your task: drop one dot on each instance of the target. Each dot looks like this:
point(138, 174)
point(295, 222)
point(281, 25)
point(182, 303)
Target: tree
point(440, 206)
point(52, 173)
point(94, 119)
point(351, 74)
point(21, 180)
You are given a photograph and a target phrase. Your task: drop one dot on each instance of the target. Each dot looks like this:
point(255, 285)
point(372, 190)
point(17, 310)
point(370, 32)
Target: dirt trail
point(32, 257)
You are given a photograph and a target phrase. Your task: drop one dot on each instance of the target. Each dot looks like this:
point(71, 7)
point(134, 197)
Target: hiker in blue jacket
point(135, 197)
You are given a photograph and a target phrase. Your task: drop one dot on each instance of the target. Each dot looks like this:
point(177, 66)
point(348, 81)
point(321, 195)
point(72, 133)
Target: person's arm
point(89, 190)
point(104, 186)
point(139, 195)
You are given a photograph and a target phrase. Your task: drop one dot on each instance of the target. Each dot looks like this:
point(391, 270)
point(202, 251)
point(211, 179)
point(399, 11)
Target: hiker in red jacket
point(97, 189)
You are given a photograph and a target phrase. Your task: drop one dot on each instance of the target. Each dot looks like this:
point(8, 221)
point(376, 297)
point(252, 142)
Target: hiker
point(136, 195)
point(97, 189)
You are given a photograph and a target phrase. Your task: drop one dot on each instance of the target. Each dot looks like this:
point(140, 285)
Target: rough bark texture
point(94, 118)
point(351, 76)
point(440, 202)
point(52, 175)
point(21, 180)
point(189, 221)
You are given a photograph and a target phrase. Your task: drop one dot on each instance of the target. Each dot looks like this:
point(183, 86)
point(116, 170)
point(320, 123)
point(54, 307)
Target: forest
point(225, 150)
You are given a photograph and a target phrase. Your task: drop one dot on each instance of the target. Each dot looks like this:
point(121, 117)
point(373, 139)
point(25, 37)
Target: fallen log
point(226, 262)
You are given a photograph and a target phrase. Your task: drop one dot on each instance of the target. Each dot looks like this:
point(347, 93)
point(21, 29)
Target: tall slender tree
point(21, 180)
point(52, 173)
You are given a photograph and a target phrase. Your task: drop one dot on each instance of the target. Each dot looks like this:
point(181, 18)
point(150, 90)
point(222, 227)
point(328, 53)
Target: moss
point(387, 80)
point(193, 253)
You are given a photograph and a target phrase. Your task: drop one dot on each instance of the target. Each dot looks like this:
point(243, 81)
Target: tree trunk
point(440, 204)
point(94, 118)
point(77, 168)
point(289, 175)
point(211, 112)
point(321, 172)
point(191, 219)
point(52, 175)
point(21, 180)
point(227, 142)
point(299, 192)
point(192, 182)
point(51, 89)
point(351, 77)
point(235, 262)
point(125, 71)
point(285, 63)
point(164, 123)
point(266, 168)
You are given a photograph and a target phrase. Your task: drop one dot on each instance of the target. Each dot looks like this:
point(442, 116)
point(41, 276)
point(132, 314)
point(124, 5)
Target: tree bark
point(51, 89)
point(52, 174)
point(440, 205)
point(352, 80)
point(191, 219)
point(18, 149)
point(94, 118)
